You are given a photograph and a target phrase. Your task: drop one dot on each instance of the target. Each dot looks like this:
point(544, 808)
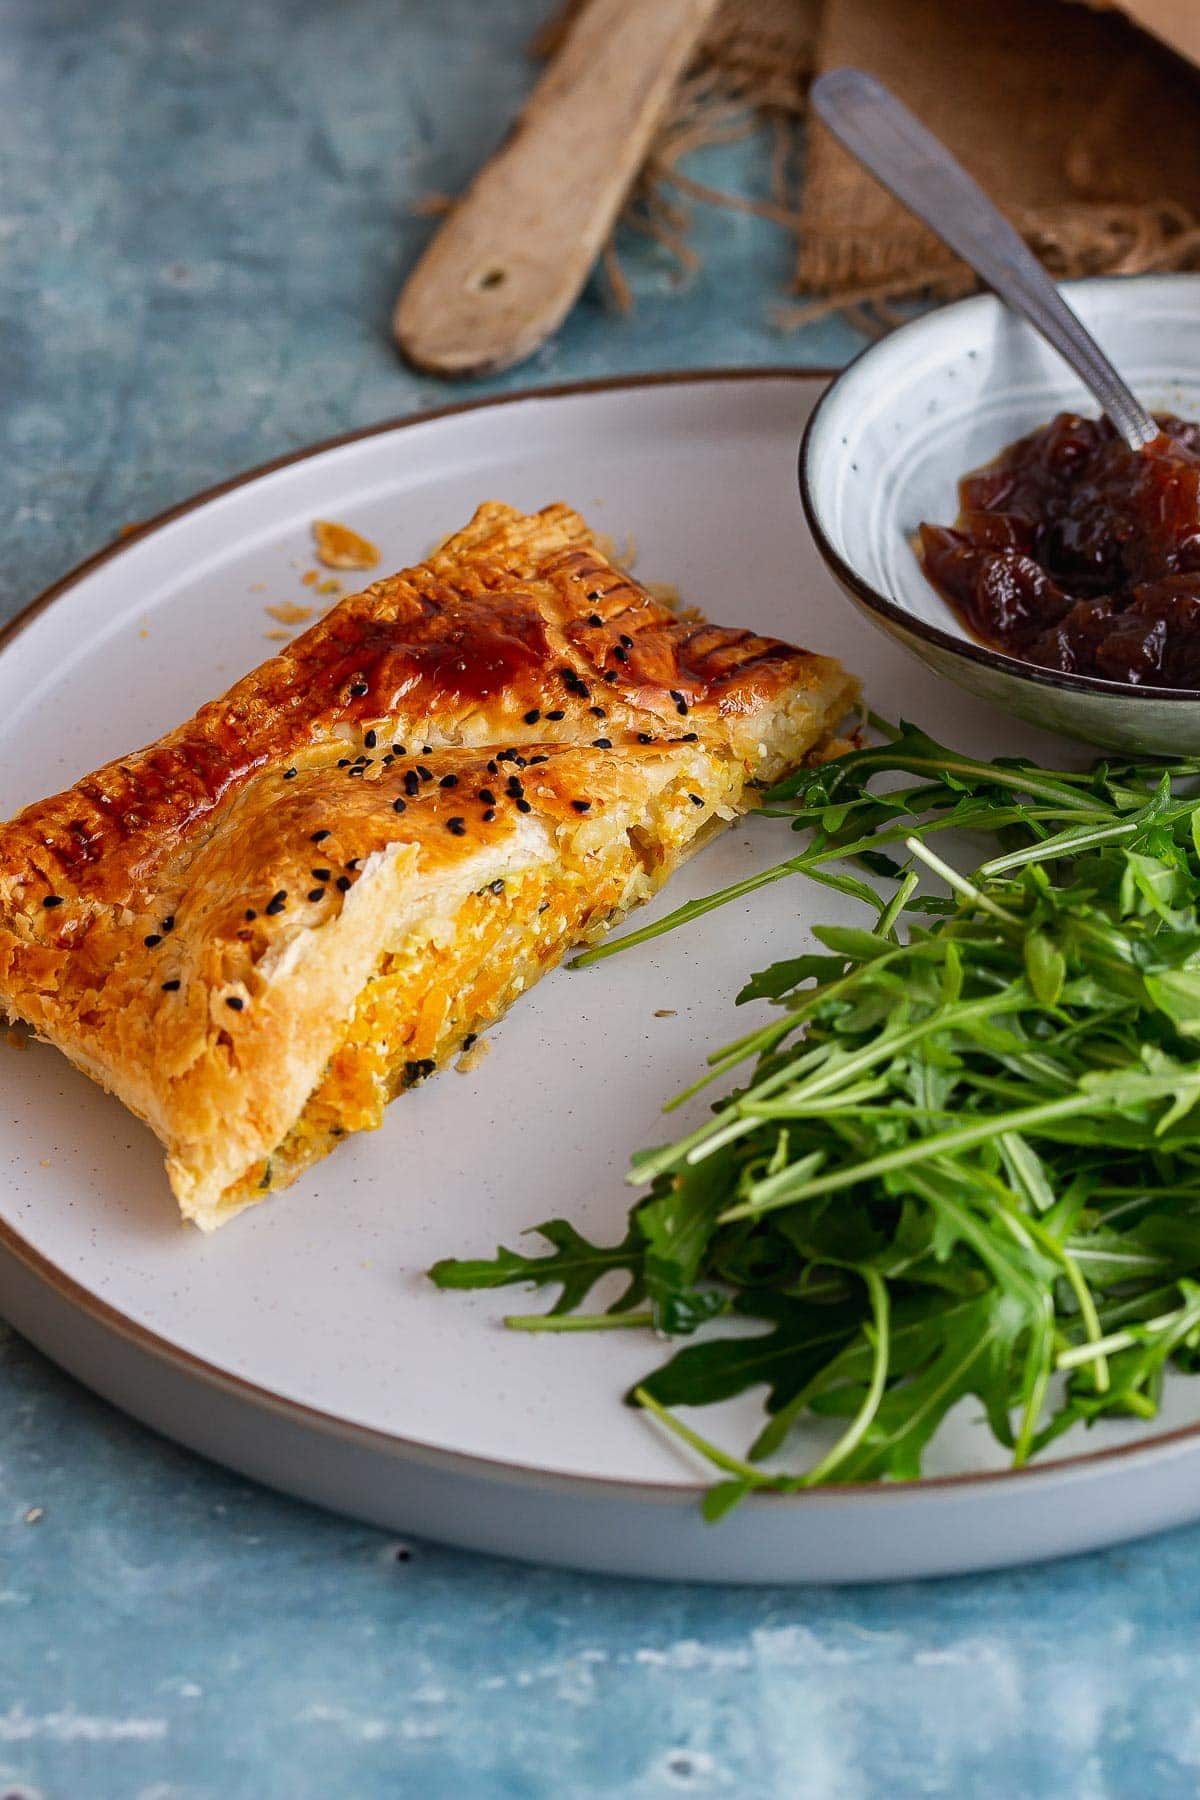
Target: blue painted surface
point(205, 216)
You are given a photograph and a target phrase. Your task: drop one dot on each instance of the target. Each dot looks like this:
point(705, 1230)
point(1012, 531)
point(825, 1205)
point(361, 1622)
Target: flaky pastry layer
point(259, 929)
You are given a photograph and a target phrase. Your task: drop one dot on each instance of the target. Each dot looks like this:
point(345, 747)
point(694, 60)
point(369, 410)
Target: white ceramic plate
point(302, 1344)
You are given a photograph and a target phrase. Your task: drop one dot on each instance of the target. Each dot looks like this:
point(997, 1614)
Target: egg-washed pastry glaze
point(314, 893)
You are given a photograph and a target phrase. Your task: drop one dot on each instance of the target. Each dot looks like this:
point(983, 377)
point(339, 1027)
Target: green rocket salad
point(962, 1157)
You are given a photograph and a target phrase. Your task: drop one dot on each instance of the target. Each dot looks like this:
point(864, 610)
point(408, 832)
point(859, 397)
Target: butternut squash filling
point(449, 978)
point(428, 997)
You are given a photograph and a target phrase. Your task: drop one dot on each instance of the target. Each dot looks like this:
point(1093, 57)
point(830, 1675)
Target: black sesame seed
point(497, 887)
point(152, 940)
point(567, 675)
point(171, 987)
point(598, 712)
point(357, 689)
point(168, 923)
point(424, 773)
point(489, 815)
point(399, 750)
point(388, 760)
point(426, 749)
point(234, 1002)
point(343, 762)
point(493, 768)
point(343, 884)
point(321, 874)
point(289, 774)
point(472, 1037)
point(52, 900)
point(595, 619)
point(537, 759)
point(457, 826)
point(675, 693)
point(689, 737)
point(357, 769)
point(317, 894)
point(487, 796)
point(514, 787)
point(353, 863)
point(610, 675)
point(581, 806)
point(524, 806)
point(412, 782)
point(557, 714)
point(448, 781)
point(532, 716)
point(681, 708)
point(318, 837)
point(644, 737)
point(695, 800)
point(276, 903)
point(627, 640)
point(370, 739)
point(250, 913)
point(601, 743)
point(621, 655)
point(399, 805)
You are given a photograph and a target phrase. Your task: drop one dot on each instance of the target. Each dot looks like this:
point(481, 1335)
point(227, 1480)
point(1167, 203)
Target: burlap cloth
point(1084, 129)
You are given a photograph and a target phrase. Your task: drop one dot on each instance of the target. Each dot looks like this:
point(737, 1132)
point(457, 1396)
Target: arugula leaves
point(964, 1162)
point(574, 1264)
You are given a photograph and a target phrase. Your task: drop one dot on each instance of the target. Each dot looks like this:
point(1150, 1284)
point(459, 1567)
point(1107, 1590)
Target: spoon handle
point(918, 169)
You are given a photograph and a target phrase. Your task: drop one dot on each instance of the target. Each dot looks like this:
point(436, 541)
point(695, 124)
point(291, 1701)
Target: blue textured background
point(206, 211)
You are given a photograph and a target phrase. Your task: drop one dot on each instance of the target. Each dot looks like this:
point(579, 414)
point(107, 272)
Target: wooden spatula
point(510, 260)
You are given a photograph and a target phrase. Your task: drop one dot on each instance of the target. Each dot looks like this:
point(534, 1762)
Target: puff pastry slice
point(260, 929)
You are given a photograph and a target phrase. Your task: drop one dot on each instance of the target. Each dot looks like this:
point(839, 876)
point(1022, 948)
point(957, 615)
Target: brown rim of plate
point(907, 621)
point(298, 1412)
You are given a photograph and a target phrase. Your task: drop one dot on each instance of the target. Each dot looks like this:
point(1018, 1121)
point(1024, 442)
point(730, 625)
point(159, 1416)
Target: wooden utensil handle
point(511, 258)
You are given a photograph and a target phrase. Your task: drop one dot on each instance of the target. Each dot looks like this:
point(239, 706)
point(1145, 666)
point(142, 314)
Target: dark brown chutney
point(1079, 554)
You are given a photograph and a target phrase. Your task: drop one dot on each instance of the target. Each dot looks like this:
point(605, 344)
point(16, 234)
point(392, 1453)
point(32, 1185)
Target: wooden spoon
point(510, 260)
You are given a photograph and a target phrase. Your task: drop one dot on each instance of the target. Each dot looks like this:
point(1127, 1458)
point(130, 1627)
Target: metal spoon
point(919, 170)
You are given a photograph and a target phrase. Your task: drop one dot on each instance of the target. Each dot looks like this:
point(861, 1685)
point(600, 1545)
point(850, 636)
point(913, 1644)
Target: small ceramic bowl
point(890, 439)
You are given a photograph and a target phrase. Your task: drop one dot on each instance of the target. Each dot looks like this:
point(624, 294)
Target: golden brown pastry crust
point(195, 924)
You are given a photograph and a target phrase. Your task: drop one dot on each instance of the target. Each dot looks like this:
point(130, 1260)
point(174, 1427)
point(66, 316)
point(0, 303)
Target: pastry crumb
point(471, 1059)
point(606, 544)
point(833, 748)
point(288, 613)
point(329, 586)
point(340, 548)
point(309, 578)
point(35, 1515)
point(666, 1012)
point(123, 531)
point(258, 587)
point(17, 1038)
point(278, 637)
point(665, 592)
point(44, 1162)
